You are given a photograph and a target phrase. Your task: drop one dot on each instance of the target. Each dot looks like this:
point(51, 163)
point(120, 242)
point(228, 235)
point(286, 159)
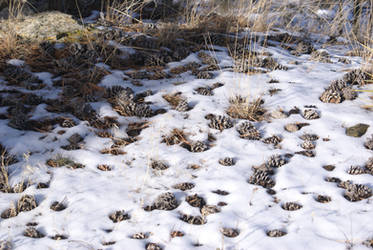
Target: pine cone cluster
point(248, 131)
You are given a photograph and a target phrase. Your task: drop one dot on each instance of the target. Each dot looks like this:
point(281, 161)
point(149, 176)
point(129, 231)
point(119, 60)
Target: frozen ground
point(245, 212)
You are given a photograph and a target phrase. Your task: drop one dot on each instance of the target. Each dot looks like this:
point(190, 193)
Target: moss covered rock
point(358, 130)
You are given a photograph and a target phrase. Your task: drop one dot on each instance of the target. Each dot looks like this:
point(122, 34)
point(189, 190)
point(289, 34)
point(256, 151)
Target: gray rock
point(358, 130)
point(45, 25)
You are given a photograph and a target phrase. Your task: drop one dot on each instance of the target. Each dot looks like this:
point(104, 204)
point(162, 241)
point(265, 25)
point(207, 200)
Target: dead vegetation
point(241, 108)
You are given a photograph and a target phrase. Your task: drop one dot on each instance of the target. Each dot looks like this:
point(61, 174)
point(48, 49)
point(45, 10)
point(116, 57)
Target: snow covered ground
point(230, 212)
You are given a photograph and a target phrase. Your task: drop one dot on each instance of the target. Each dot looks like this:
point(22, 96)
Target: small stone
point(358, 130)
point(270, 191)
point(75, 138)
point(329, 167)
point(291, 127)
point(222, 203)
point(279, 114)
point(220, 192)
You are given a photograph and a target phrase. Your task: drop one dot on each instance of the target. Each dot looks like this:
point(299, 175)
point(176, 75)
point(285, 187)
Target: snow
point(91, 195)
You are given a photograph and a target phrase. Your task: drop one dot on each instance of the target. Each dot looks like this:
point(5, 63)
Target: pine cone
point(276, 161)
point(220, 122)
point(331, 96)
point(275, 140)
point(227, 161)
point(248, 131)
point(204, 91)
point(310, 114)
point(165, 201)
point(355, 170)
point(261, 178)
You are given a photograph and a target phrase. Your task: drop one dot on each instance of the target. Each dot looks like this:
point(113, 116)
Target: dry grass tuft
point(120, 13)
point(241, 108)
point(177, 136)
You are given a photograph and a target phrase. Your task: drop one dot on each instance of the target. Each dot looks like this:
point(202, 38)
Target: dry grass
point(368, 68)
point(120, 13)
point(173, 99)
point(4, 175)
point(241, 108)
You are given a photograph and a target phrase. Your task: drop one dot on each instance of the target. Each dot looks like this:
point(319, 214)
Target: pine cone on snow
point(308, 145)
point(204, 91)
point(310, 114)
point(357, 192)
point(182, 106)
point(248, 131)
point(198, 146)
point(276, 161)
point(261, 178)
point(119, 92)
point(227, 161)
point(309, 137)
point(349, 94)
point(369, 165)
point(355, 170)
point(338, 85)
point(291, 206)
point(275, 140)
point(220, 122)
point(356, 77)
point(159, 165)
point(331, 96)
